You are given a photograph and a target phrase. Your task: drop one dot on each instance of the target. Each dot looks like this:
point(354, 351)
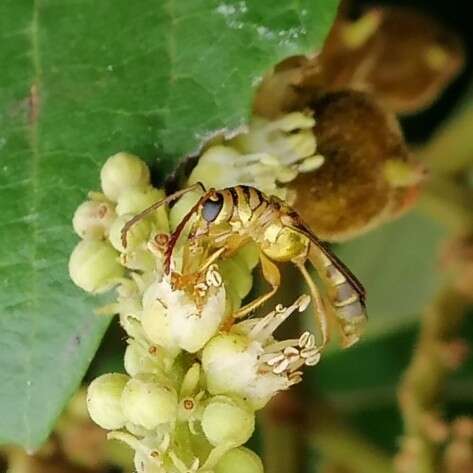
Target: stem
point(421, 388)
point(343, 446)
point(449, 203)
point(337, 443)
point(451, 149)
point(281, 441)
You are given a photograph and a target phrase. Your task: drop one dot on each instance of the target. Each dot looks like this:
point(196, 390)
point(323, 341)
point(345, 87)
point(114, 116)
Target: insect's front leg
point(273, 276)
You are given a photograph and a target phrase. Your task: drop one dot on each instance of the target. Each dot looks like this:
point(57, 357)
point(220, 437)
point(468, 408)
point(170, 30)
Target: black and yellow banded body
point(226, 219)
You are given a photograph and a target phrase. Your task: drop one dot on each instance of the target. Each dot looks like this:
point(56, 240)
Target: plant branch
point(288, 417)
point(421, 388)
point(451, 149)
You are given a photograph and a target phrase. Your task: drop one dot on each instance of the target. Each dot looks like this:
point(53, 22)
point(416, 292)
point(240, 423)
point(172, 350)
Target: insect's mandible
point(227, 219)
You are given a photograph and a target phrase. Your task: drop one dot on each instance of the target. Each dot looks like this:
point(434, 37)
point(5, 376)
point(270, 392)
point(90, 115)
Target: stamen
point(290, 351)
point(281, 367)
point(213, 277)
point(313, 360)
point(275, 360)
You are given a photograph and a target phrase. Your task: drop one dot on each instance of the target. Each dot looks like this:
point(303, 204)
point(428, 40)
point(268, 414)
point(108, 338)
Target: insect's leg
point(167, 200)
point(212, 258)
point(346, 305)
point(273, 277)
point(320, 310)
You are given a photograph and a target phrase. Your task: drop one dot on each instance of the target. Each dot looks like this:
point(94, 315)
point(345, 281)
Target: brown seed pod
point(366, 166)
point(401, 55)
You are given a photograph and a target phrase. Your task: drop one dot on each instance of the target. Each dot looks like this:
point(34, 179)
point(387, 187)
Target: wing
point(350, 277)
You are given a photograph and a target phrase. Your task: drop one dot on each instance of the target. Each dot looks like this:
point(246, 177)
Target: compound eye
point(212, 207)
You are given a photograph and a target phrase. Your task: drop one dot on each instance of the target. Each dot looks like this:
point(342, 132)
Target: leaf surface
point(82, 80)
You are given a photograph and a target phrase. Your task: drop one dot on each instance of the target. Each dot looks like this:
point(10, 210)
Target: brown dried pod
point(404, 57)
point(367, 174)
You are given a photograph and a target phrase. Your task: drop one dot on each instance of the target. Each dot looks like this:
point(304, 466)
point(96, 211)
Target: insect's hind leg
point(345, 304)
point(320, 310)
point(272, 275)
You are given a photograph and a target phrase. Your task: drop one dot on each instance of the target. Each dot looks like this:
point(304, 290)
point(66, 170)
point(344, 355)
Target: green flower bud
point(182, 206)
point(137, 199)
point(103, 400)
point(239, 460)
point(139, 359)
point(94, 266)
point(122, 171)
point(156, 325)
point(136, 236)
point(228, 421)
point(92, 219)
point(249, 254)
point(237, 276)
point(225, 348)
point(147, 402)
point(144, 464)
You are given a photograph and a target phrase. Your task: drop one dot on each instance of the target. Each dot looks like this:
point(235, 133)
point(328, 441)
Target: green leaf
point(80, 81)
point(399, 267)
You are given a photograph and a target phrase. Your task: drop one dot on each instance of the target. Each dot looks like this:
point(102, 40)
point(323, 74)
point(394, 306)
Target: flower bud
point(228, 421)
point(147, 402)
point(136, 199)
point(214, 167)
point(237, 276)
point(139, 359)
point(103, 400)
point(94, 266)
point(182, 206)
point(156, 325)
point(225, 348)
point(239, 460)
point(92, 219)
point(137, 235)
point(249, 254)
point(122, 171)
point(144, 464)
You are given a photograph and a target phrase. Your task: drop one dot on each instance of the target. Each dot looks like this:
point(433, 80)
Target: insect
point(223, 221)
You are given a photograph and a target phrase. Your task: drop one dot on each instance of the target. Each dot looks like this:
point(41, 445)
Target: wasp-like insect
point(223, 221)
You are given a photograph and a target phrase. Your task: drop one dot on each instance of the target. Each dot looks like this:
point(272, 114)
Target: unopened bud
point(94, 266)
point(121, 172)
point(139, 360)
point(228, 421)
point(138, 234)
point(147, 402)
point(218, 353)
point(236, 275)
point(137, 199)
point(156, 325)
point(103, 400)
point(92, 219)
point(182, 206)
point(240, 460)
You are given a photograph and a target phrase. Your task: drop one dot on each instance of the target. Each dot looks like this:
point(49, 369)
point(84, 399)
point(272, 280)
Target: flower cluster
point(194, 375)
point(271, 154)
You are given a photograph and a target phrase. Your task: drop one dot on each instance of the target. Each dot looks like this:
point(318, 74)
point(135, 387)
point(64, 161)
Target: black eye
point(211, 207)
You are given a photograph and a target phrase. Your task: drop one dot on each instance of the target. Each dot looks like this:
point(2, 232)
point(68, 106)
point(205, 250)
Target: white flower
point(249, 363)
point(174, 318)
point(271, 154)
